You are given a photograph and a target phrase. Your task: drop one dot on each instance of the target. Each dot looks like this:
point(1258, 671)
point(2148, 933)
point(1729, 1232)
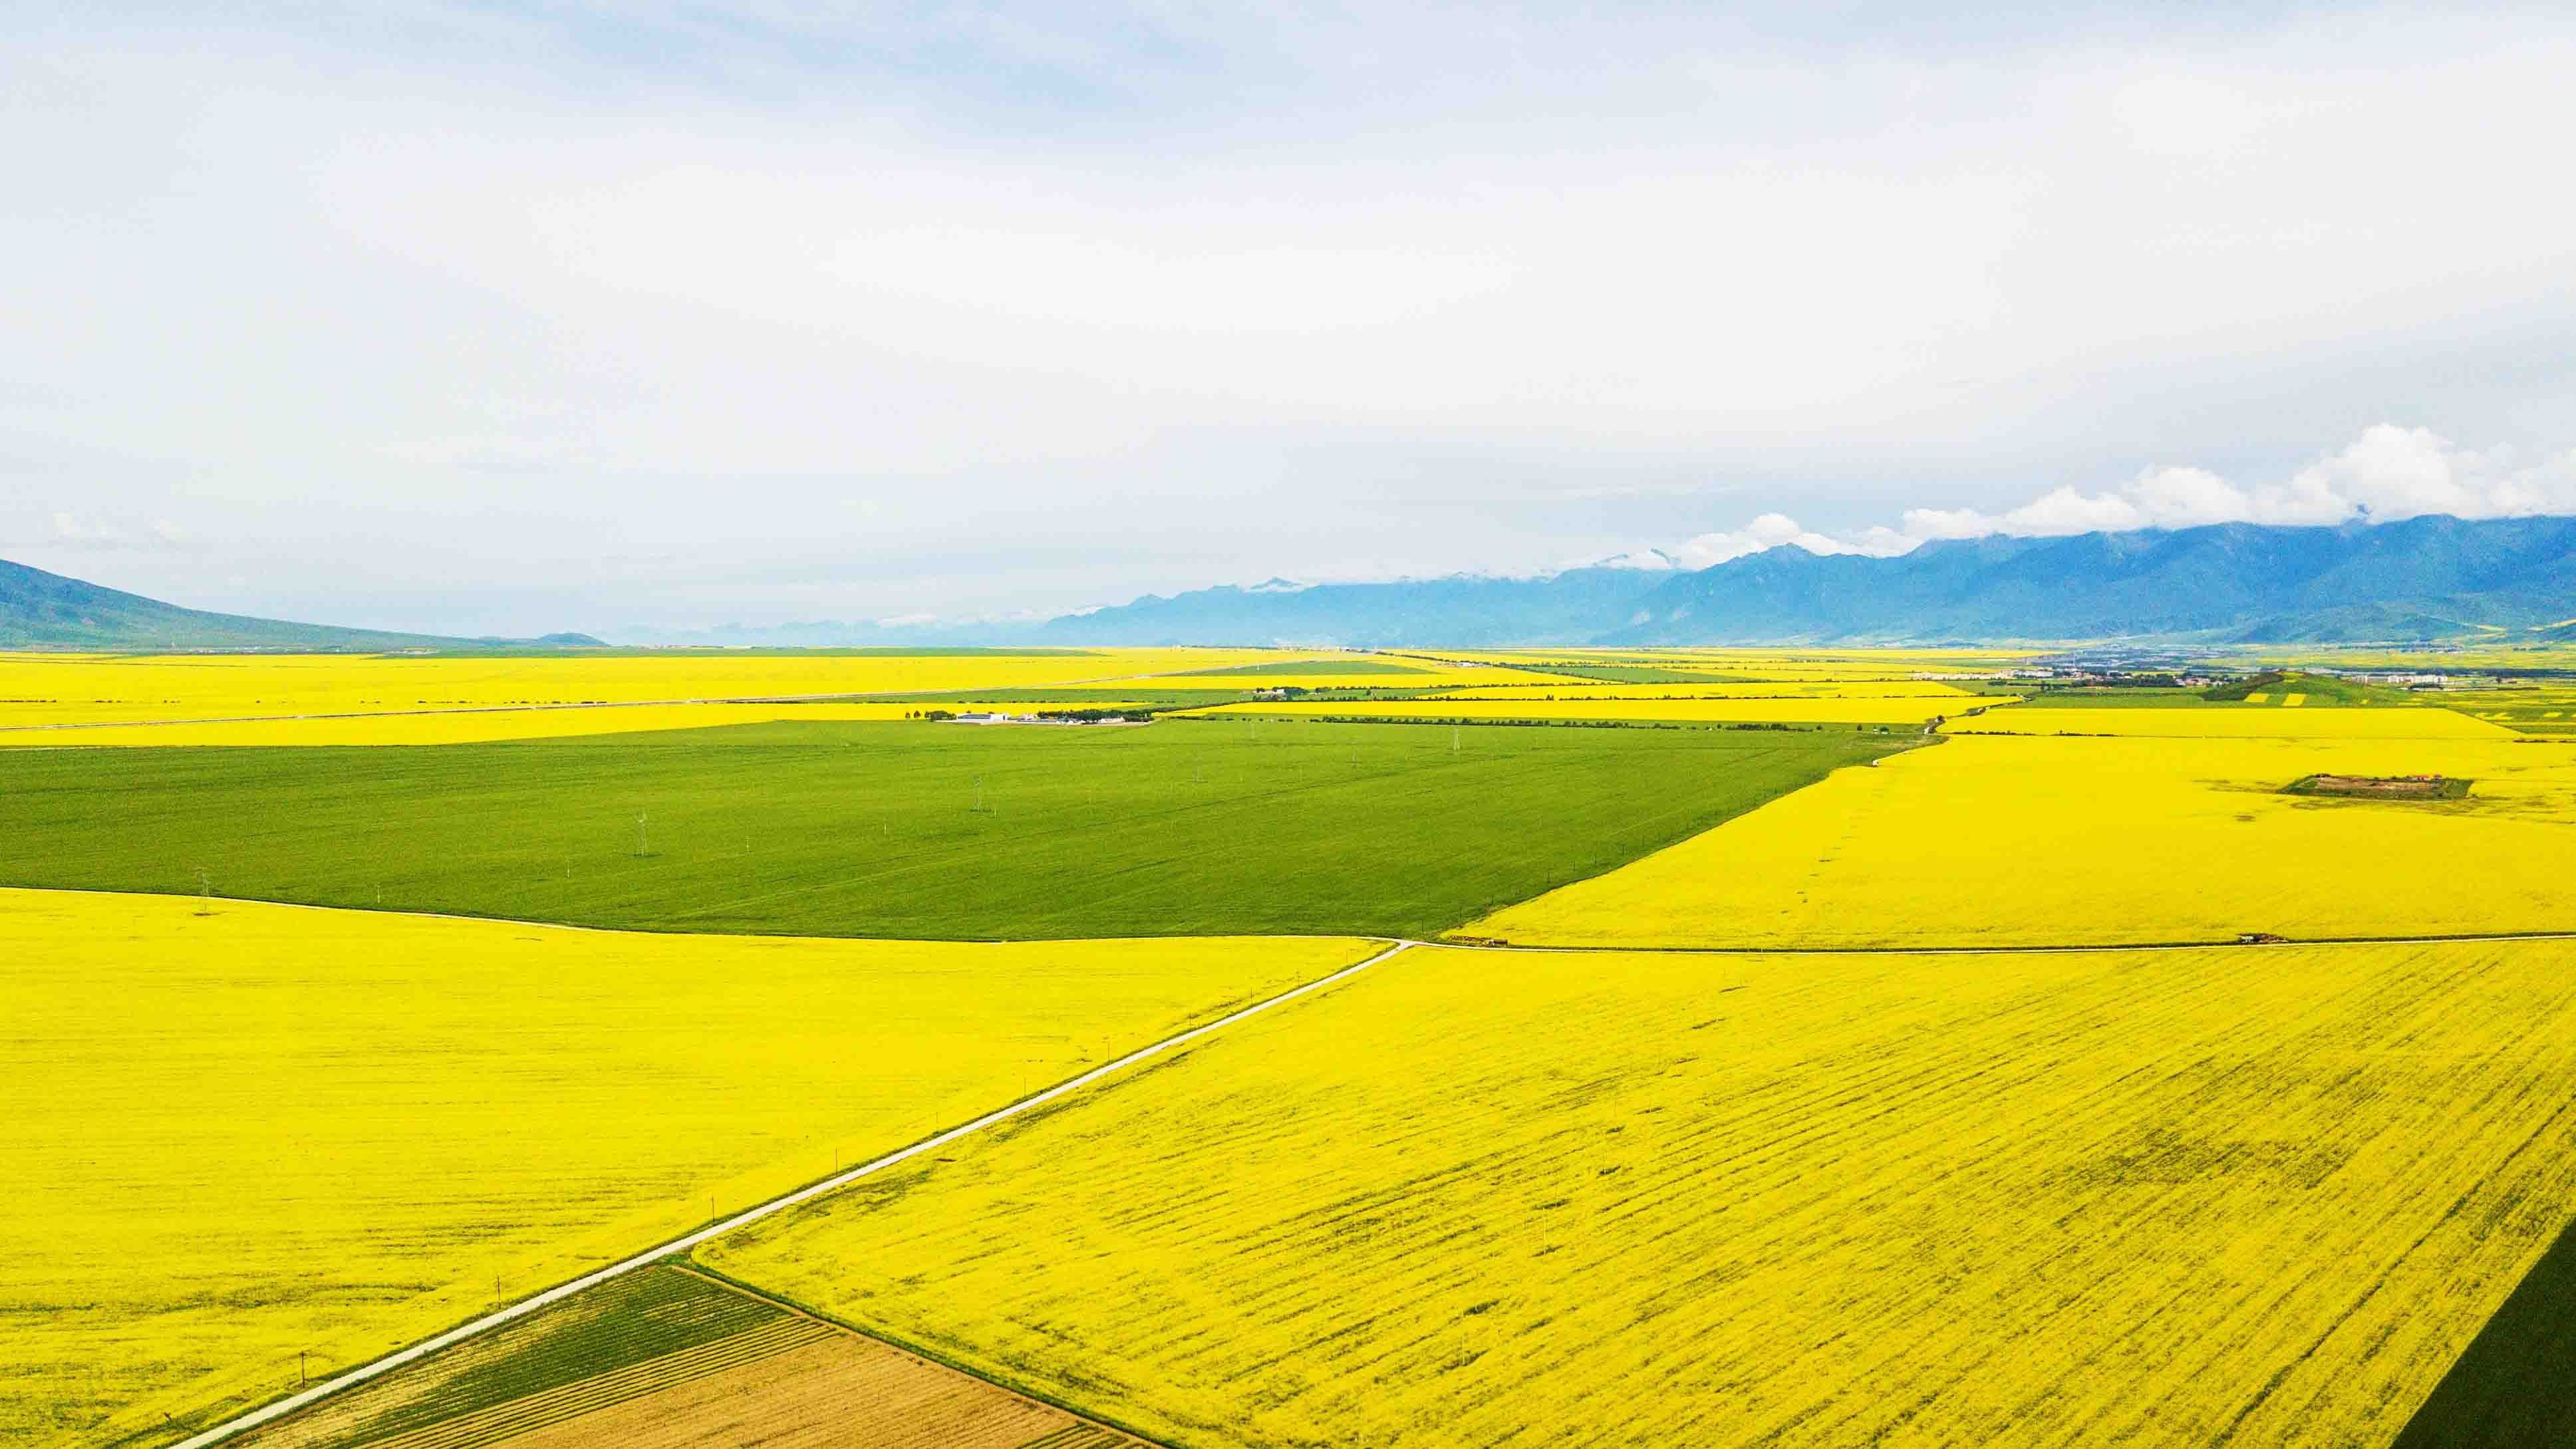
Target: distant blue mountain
point(1461, 612)
point(41, 610)
point(2419, 579)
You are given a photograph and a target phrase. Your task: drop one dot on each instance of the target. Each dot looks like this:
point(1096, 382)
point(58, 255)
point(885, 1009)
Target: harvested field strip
point(518, 1416)
point(839, 1392)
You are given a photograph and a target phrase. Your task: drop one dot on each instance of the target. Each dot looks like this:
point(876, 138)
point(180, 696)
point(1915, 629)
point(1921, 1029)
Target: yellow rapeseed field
point(238, 1136)
point(2161, 1200)
point(56, 689)
point(2231, 722)
point(1353, 671)
point(470, 726)
point(1751, 689)
point(1987, 840)
point(1772, 663)
point(1901, 710)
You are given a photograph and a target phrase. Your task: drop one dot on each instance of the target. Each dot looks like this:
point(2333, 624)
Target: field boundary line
point(1999, 949)
point(1532, 948)
point(510, 1313)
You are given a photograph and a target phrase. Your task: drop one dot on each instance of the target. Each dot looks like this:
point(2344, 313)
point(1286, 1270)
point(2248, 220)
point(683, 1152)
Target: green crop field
point(1635, 674)
point(910, 830)
point(1307, 667)
point(2508, 1390)
point(2115, 698)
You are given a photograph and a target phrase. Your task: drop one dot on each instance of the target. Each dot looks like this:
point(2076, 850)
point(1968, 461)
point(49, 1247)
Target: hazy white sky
point(511, 317)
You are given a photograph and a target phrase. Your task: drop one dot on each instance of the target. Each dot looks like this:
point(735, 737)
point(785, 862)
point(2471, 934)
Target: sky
point(516, 317)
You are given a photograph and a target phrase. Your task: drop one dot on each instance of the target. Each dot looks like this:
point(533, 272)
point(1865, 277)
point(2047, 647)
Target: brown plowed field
point(845, 1392)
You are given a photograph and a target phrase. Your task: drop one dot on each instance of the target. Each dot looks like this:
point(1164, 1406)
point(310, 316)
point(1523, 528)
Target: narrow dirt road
point(526, 1306)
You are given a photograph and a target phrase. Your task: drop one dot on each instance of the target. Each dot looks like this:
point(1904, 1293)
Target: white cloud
point(1769, 531)
point(1880, 541)
point(70, 528)
point(2063, 510)
point(2393, 472)
point(1015, 305)
point(1651, 560)
point(2386, 474)
point(90, 532)
point(2182, 497)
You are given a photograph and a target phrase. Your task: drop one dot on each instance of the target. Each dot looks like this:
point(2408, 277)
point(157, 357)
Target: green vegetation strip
point(1305, 667)
point(909, 830)
point(2319, 689)
point(622, 1323)
point(2511, 1389)
point(1634, 674)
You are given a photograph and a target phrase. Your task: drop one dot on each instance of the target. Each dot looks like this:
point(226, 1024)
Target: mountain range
point(2418, 579)
point(47, 610)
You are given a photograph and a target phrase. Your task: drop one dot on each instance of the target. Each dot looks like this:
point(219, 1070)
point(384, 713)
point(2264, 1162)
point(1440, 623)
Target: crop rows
point(518, 1416)
point(2177, 1199)
point(1992, 841)
point(838, 1391)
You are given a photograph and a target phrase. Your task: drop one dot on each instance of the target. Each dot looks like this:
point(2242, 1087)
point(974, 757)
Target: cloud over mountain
point(2387, 474)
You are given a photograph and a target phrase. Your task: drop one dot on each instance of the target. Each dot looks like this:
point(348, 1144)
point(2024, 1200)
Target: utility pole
point(639, 835)
point(205, 893)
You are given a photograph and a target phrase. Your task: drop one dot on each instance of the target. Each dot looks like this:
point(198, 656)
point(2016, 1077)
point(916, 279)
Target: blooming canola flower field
point(2152, 1199)
point(1866, 1057)
point(1769, 663)
point(1753, 689)
point(112, 689)
point(1888, 710)
point(479, 725)
point(2234, 722)
point(2000, 841)
point(271, 1131)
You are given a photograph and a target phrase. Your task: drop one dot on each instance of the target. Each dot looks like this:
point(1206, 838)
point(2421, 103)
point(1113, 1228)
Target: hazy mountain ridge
point(2421, 578)
point(47, 610)
point(1462, 611)
point(2418, 579)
